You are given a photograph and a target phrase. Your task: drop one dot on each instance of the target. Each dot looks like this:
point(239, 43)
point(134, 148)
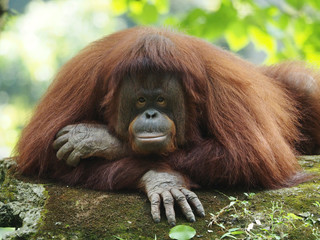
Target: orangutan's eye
point(141, 102)
point(161, 101)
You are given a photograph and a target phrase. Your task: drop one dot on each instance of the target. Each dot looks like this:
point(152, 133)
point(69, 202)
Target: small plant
point(234, 202)
point(182, 232)
point(232, 233)
point(317, 204)
point(249, 195)
point(271, 223)
point(316, 233)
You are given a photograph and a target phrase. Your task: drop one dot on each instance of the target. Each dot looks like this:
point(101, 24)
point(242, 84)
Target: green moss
point(97, 215)
point(77, 213)
point(86, 214)
point(8, 184)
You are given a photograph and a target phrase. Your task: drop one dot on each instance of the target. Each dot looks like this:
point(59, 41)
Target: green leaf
point(172, 21)
point(228, 235)
point(283, 21)
point(302, 32)
point(6, 230)
point(217, 22)
point(231, 232)
point(315, 3)
point(182, 232)
point(298, 4)
point(232, 198)
point(136, 7)
point(149, 14)
point(237, 232)
point(293, 216)
point(119, 6)
point(162, 6)
point(262, 39)
point(236, 36)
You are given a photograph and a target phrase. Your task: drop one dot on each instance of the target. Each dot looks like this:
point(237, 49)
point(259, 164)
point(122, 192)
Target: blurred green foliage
point(35, 44)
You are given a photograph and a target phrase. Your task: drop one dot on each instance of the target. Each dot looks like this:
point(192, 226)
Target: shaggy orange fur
point(244, 126)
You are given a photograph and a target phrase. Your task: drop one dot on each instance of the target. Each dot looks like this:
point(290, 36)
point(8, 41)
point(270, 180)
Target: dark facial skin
point(150, 108)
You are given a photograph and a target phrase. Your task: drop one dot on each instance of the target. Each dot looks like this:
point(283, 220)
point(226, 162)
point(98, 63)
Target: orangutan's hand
point(170, 187)
point(75, 142)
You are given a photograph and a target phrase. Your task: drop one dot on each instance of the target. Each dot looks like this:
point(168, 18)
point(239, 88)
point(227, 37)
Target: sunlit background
point(39, 36)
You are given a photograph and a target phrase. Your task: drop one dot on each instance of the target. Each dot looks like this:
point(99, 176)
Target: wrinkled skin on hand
point(170, 187)
point(78, 141)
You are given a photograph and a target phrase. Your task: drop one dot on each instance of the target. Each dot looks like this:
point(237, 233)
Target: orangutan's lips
point(151, 137)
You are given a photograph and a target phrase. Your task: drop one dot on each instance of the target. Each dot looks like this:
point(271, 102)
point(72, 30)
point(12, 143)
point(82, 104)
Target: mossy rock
point(47, 210)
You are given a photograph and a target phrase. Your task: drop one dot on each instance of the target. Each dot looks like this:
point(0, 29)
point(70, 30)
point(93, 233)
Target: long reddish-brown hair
point(245, 122)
